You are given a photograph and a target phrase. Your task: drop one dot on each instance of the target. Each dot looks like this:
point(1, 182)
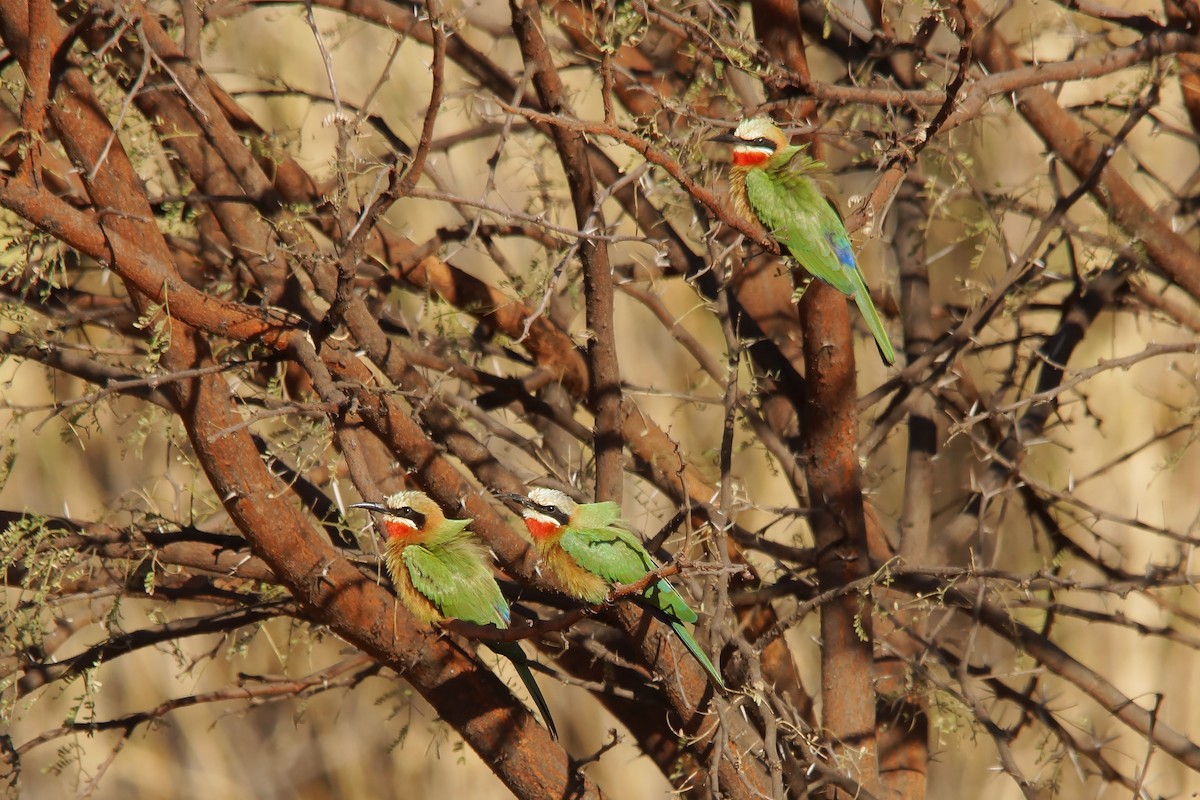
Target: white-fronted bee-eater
point(440, 572)
point(590, 550)
point(770, 183)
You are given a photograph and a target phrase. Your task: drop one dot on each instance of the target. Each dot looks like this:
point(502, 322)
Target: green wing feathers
point(793, 209)
point(456, 579)
point(612, 553)
point(618, 556)
point(453, 574)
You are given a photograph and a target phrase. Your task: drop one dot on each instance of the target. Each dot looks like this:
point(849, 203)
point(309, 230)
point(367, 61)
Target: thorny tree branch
point(296, 340)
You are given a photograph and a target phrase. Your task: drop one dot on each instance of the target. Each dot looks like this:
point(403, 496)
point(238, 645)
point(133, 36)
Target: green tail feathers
point(694, 648)
point(513, 652)
point(862, 299)
point(669, 606)
point(663, 596)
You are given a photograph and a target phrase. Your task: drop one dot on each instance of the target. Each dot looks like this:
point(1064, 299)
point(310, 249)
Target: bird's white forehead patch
point(544, 496)
point(405, 498)
point(753, 128)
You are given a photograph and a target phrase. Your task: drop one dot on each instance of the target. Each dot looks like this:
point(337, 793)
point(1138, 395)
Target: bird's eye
point(547, 509)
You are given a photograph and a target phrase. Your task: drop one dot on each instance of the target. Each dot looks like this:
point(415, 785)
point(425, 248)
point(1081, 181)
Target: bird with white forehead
point(770, 184)
point(589, 549)
point(440, 572)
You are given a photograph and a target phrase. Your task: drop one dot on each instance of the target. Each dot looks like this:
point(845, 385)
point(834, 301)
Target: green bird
point(589, 550)
point(769, 182)
point(440, 572)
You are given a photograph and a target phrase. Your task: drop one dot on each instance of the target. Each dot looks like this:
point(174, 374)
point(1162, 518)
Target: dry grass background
point(377, 740)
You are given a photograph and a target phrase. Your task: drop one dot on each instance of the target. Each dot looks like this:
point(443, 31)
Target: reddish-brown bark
point(273, 284)
point(475, 702)
point(1169, 252)
point(829, 452)
point(597, 271)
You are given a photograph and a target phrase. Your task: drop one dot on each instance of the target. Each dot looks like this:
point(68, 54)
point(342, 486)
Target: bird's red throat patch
point(541, 529)
point(749, 158)
point(398, 530)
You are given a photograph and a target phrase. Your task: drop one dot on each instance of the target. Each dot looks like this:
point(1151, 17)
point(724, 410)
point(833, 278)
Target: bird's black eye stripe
point(410, 513)
point(763, 141)
point(553, 512)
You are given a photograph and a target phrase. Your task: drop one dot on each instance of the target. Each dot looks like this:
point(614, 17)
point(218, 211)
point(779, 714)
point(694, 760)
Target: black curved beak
point(519, 499)
point(380, 507)
point(725, 138)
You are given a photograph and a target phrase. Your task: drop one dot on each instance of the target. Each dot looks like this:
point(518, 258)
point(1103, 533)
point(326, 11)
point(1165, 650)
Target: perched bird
point(440, 572)
point(588, 548)
point(769, 182)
